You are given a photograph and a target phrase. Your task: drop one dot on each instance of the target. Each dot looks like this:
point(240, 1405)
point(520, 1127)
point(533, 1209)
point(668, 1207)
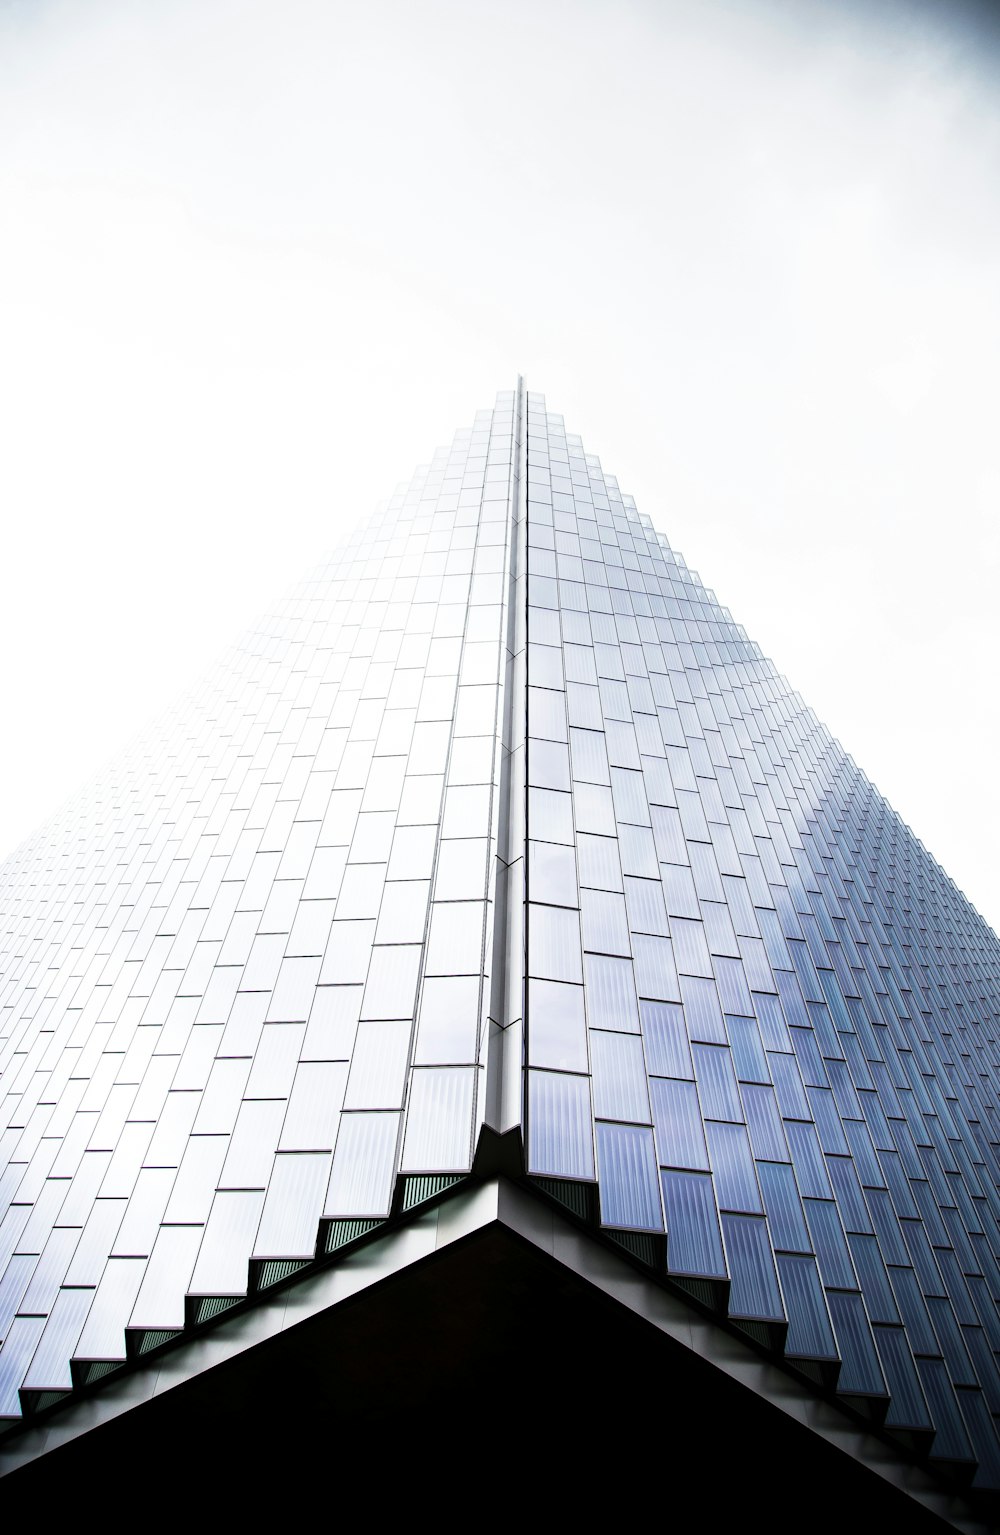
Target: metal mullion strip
point(503, 1107)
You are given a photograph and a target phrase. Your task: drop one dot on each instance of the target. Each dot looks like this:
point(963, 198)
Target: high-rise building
point(495, 1006)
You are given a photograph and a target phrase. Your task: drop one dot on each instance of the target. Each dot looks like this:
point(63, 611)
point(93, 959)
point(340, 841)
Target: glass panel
point(403, 913)
point(274, 1064)
point(735, 1180)
point(50, 1270)
point(15, 1356)
point(668, 1053)
point(860, 1370)
point(377, 1077)
point(678, 888)
point(461, 870)
point(810, 1335)
point(717, 1082)
point(160, 1302)
point(702, 1010)
point(874, 1279)
point(627, 1178)
point(690, 948)
point(604, 923)
point(49, 1369)
point(951, 1439)
point(553, 813)
point(830, 1244)
point(314, 1106)
point(347, 953)
point(13, 1285)
point(554, 943)
point(594, 810)
point(333, 1023)
point(646, 912)
point(455, 942)
point(449, 1021)
point(139, 1229)
point(552, 874)
point(197, 1179)
point(251, 1149)
point(619, 1077)
point(290, 1219)
point(783, 1206)
point(748, 1052)
point(413, 849)
point(754, 1290)
point(680, 1135)
point(293, 991)
point(439, 1120)
point(392, 982)
point(557, 1032)
point(221, 1268)
point(363, 1166)
point(599, 864)
point(548, 765)
point(559, 1125)
point(694, 1243)
point(610, 994)
point(590, 757)
point(103, 1336)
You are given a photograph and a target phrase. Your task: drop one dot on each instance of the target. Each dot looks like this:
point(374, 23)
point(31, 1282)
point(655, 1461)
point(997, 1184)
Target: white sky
point(259, 257)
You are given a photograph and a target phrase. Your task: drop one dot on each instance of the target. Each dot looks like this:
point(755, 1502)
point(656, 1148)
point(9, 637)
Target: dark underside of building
point(490, 1368)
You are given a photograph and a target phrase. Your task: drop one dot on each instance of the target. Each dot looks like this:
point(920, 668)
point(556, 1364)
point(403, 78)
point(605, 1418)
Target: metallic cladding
point(500, 818)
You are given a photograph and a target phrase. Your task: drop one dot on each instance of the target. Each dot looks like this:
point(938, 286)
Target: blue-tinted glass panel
point(559, 1125)
point(680, 1133)
point(619, 1073)
point(860, 1370)
point(754, 1290)
point(784, 1207)
point(668, 1053)
point(732, 1163)
point(830, 1243)
point(628, 1183)
point(907, 1408)
point(694, 1242)
point(951, 1438)
point(810, 1335)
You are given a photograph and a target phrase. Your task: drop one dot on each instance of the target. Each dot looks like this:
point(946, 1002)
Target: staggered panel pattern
point(760, 1016)
point(244, 979)
point(501, 817)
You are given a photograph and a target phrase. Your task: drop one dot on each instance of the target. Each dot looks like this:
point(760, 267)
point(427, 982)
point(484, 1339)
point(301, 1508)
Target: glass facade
point(501, 820)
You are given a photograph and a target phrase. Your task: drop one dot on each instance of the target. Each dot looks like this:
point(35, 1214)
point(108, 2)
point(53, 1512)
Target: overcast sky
point(258, 258)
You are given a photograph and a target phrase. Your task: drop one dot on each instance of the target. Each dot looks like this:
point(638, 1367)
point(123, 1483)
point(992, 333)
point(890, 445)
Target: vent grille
point(275, 1269)
point(37, 1401)
point(205, 1307)
point(340, 1233)
point(649, 1249)
point(424, 1187)
point(760, 1332)
point(581, 1198)
point(97, 1369)
point(713, 1293)
point(153, 1338)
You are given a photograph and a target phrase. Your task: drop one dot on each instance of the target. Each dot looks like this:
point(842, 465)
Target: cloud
point(258, 262)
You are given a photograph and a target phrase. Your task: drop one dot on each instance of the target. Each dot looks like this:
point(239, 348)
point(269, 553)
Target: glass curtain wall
point(501, 818)
point(761, 1019)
